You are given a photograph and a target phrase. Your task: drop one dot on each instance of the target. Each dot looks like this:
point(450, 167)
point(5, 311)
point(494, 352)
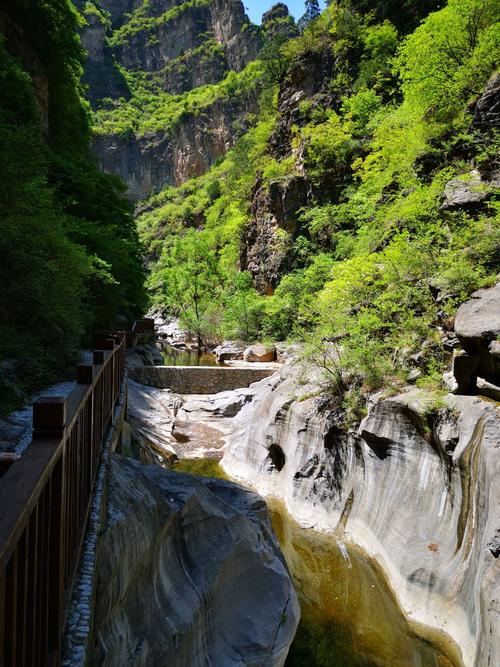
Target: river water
point(349, 615)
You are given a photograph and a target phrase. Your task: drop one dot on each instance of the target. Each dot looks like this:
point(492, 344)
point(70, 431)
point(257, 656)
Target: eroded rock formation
point(189, 573)
point(176, 46)
point(417, 486)
point(166, 426)
point(477, 325)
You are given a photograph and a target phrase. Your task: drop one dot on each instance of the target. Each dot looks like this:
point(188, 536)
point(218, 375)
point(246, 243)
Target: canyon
point(180, 47)
point(330, 500)
point(414, 484)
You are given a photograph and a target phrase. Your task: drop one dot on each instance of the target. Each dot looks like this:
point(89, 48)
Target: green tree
point(274, 59)
point(70, 255)
point(312, 12)
point(191, 284)
point(448, 59)
point(244, 308)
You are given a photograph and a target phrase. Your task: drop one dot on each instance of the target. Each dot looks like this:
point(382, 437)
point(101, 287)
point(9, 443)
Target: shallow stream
point(349, 615)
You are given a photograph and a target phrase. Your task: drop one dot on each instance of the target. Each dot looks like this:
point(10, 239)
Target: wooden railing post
point(49, 421)
point(49, 417)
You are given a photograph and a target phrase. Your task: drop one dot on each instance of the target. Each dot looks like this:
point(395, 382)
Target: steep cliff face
point(138, 50)
point(272, 228)
point(149, 161)
point(266, 248)
point(189, 574)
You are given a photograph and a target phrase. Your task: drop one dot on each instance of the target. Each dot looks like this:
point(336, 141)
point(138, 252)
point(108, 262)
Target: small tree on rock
point(312, 12)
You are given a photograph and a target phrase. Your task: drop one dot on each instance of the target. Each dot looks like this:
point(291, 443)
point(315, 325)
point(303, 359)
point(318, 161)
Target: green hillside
point(375, 263)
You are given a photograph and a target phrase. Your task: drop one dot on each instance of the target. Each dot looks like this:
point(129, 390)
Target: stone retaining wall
point(198, 379)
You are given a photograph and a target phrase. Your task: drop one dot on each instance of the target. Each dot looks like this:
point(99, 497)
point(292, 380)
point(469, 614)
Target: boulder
point(189, 573)
point(477, 326)
point(228, 351)
point(260, 353)
point(143, 355)
point(478, 319)
point(287, 351)
point(414, 375)
point(169, 330)
point(465, 192)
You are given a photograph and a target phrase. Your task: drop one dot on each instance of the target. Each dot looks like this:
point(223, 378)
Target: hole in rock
point(332, 436)
point(379, 446)
point(277, 457)
point(180, 437)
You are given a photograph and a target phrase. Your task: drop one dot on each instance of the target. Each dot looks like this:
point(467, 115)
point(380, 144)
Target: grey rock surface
point(268, 237)
point(468, 192)
point(479, 318)
point(189, 574)
point(260, 353)
point(229, 350)
point(196, 45)
point(477, 325)
point(166, 426)
point(417, 486)
point(487, 107)
point(143, 355)
point(169, 331)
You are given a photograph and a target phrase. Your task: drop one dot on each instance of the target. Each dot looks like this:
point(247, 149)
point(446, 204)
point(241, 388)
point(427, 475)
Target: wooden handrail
point(141, 329)
point(44, 504)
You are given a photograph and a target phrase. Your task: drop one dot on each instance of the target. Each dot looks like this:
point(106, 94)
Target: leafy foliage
point(70, 254)
point(376, 267)
point(312, 12)
point(149, 110)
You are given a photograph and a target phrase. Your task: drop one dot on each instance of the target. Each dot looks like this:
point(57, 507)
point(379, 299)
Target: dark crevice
point(276, 457)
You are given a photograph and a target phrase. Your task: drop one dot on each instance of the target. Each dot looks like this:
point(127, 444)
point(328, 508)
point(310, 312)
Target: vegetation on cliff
point(150, 110)
point(371, 112)
point(70, 253)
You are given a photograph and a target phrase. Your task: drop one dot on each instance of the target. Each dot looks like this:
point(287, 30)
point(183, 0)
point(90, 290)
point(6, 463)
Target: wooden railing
point(44, 505)
point(141, 329)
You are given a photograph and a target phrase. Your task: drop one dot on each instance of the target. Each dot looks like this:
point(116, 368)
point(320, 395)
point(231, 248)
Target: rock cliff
point(416, 484)
point(148, 162)
point(417, 488)
point(266, 249)
point(189, 574)
point(138, 50)
point(274, 224)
